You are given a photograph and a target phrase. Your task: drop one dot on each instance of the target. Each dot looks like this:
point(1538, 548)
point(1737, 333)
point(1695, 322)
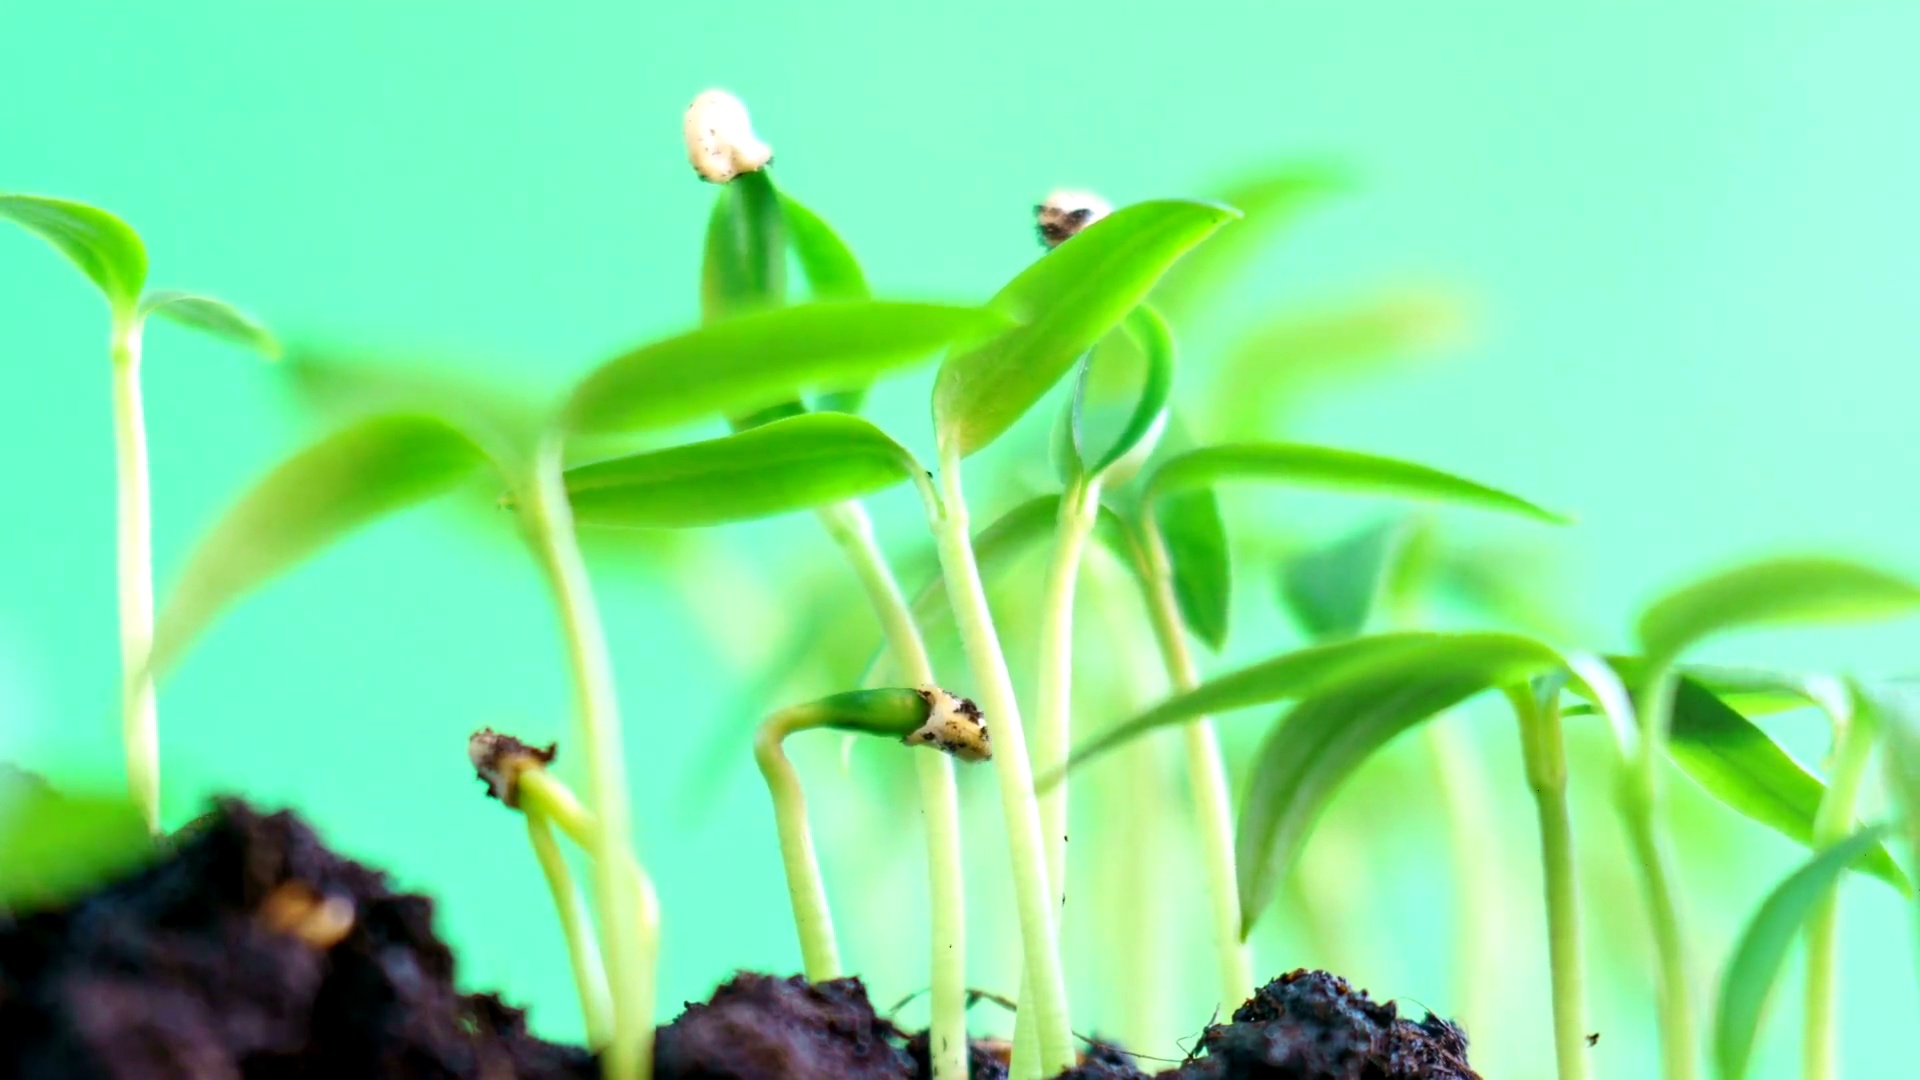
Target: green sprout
point(110, 254)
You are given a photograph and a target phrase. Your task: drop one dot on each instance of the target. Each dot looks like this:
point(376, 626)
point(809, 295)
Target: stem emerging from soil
point(1047, 995)
point(939, 797)
point(819, 949)
point(1831, 824)
point(629, 959)
point(140, 725)
point(583, 949)
point(1206, 774)
point(1546, 764)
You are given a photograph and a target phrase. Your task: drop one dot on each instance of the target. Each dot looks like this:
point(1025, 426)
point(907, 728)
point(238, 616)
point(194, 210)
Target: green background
point(1685, 235)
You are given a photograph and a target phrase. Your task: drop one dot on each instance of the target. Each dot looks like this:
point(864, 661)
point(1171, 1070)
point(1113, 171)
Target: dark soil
point(251, 952)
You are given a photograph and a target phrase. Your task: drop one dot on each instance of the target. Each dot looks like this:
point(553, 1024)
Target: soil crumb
point(1310, 1025)
point(759, 1026)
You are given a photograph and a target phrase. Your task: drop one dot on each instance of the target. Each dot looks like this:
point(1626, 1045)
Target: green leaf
point(1199, 560)
point(54, 847)
point(832, 272)
point(1147, 394)
point(1757, 959)
point(338, 484)
point(210, 316)
point(1776, 592)
point(794, 464)
point(105, 248)
point(1271, 199)
point(1736, 763)
point(745, 268)
point(1309, 754)
point(1064, 304)
point(1494, 659)
point(749, 363)
point(346, 384)
point(1332, 591)
point(1339, 470)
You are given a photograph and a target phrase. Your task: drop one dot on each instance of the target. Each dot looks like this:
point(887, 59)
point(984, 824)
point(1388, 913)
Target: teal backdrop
point(1685, 237)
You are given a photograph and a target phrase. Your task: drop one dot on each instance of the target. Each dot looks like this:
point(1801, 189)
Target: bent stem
point(583, 950)
point(1044, 983)
point(1640, 804)
point(620, 901)
point(1546, 765)
point(819, 949)
point(852, 530)
point(139, 721)
point(1831, 824)
point(1206, 774)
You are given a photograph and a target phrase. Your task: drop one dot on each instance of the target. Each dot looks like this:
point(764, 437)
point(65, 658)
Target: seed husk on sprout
point(720, 139)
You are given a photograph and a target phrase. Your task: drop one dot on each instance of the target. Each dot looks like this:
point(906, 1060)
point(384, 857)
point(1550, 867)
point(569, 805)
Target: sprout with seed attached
point(1065, 213)
point(720, 139)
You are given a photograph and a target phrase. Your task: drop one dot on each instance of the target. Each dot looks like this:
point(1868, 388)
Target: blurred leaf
point(1310, 753)
point(1064, 304)
point(210, 316)
point(832, 272)
point(757, 360)
point(1199, 560)
point(54, 848)
point(745, 267)
point(1496, 659)
point(349, 383)
point(338, 484)
point(1750, 974)
point(1339, 470)
point(1147, 396)
point(1332, 591)
point(105, 248)
point(794, 464)
point(1776, 592)
point(1747, 772)
point(1271, 199)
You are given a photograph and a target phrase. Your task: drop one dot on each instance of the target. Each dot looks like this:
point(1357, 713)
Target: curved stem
point(819, 950)
point(1546, 764)
point(620, 898)
point(1663, 909)
point(139, 722)
point(1460, 779)
point(1831, 824)
point(583, 950)
point(1206, 774)
point(939, 798)
point(1053, 718)
point(1039, 943)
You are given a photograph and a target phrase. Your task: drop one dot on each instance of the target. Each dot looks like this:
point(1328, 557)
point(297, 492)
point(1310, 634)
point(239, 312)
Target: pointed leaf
point(1494, 659)
point(1200, 561)
point(211, 316)
point(1340, 470)
point(1065, 303)
point(1271, 199)
point(1146, 397)
point(1776, 592)
point(55, 847)
point(1757, 959)
point(105, 248)
point(338, 484)
point(1333, 591)
point(794, 464)
point(1736, 763)
point(745, 267)
point(832, 273)
point(754, 361)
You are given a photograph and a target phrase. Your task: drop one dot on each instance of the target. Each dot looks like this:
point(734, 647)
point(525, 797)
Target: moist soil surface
point(250, 951)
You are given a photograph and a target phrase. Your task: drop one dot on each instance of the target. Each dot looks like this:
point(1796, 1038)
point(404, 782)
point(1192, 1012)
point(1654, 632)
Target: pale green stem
point(576, 925)
point(629, 963)
point(1546, 765)
point(1831, 824)
point(1024, 1062)
point(139, 722)
point(939, 798)
point(1641, 804)
point(1207, 776)
point(947, 515)
point(1461, 781)
point(1053, 716)
point(819, 950)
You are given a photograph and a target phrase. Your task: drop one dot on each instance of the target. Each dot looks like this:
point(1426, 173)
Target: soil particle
point(1104, 1061)
point(986, 1058)
point(190, 968)
point(759, 1026)
point(1310, 1025)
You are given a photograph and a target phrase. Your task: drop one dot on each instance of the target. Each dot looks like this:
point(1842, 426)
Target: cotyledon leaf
point(744, 268)
point(832, 272)
point(795, 464)
point(332, 487)
point(1146, 413)
point(1332, 591)
point(1063, 304)
point(1787, 591)
point(105, 248)
point(211, 316)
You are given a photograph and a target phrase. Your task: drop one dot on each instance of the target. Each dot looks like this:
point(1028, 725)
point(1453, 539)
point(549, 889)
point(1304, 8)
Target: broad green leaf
point(1736, 763)
point(1494, 659)
point(1199, 560)
point(105, 248)
point(1271, 199)
point(754, 361)
point(832, 273)
point(56, 847)
point(1064, 304)
point(794, 464)
point(1339, 470)
point(1748, 980)
point(210, 316)
point(1145, 399)
point(745, 268)
point(1333, 591)
point(1776, 592)
point(325, 491)
point(1310, 753)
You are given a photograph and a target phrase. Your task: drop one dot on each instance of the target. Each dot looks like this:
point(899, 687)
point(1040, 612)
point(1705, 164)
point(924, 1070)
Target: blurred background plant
point(1661, 255)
